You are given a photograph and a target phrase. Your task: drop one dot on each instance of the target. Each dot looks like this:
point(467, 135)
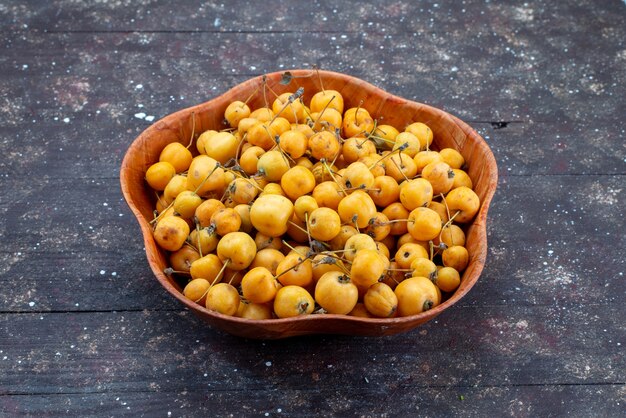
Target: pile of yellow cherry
point(297, 209)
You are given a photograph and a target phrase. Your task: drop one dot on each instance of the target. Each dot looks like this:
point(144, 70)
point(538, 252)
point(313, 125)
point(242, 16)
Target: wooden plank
point(508, 346)
point(527, 86)
point(540, 248)
point(327, 16)
point(91, 92)
point(519, 401)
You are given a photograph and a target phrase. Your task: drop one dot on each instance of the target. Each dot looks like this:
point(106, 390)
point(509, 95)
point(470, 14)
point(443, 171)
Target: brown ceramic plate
point(449, 132)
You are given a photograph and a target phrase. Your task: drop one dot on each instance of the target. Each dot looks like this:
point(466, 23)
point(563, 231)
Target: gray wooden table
point(85, 329)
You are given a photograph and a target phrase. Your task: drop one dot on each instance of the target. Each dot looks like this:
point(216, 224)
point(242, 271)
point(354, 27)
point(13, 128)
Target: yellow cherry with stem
point(380, 300)
point(181, 260)
point(356, 243)
point(448, 279)
point(295, 269)
point(178, 155)
point(323, 224)
point(259, 285)
point(357, 176)
point(440, 176)
point(416, 295)
point(424, 267)
point(272, 165)
point(186, 203)
point(422, 132)
point(304, 205)
point(196, 290)
point(235, 112)
point(159, 175)
point(209, 267)
point(203, 139)
point(291, 301)
point(357, 209)
point(409, 142)
point(456, 257)
point(384, 136)
point(336, 293)
point(203, 239)
point(327, 99)
point(222, 147)
point(205, 175)
point(424, 224)
point(356, 148)
point(270, 214)
point(223, 298)
point(415, 193)
point(368, 267)
point(171, 233)
point(269, 258)
point(463, 201)
point(225, 220)
point(357, 122)
point(288, 106)
point(237, 250)
point(297, 181)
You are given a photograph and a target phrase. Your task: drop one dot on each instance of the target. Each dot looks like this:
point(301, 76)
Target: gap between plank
point(360, 389)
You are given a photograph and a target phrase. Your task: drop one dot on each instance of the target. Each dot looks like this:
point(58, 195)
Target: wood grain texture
point(539, 334)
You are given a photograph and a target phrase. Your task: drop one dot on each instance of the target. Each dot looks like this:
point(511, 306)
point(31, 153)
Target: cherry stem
point(330, 255)
point(398, 167)
point(162, 213)
point(217, 165)
point(308, 114)
point(360, 145)
point(193, 129)
point(380, 160)
point(443, 198)
point(381, 138)
point(308, 233)
point(341, 142)
point(264, 84)
point(290, 100)
point(335, 251)
point(253, 93)
point(356, 114)
point(267, 129)
point(393, 278)
point(292, 267)
point(330, 172)
point(301, 229)
point(232, 277)
point(325, 107)
point(282, 151)
point(291, 248)
point(271, 90)
point(240, 146)
point(394, 221)
point(319, 77)
point(198, 236)
point(217, 277)
point(447, 224)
